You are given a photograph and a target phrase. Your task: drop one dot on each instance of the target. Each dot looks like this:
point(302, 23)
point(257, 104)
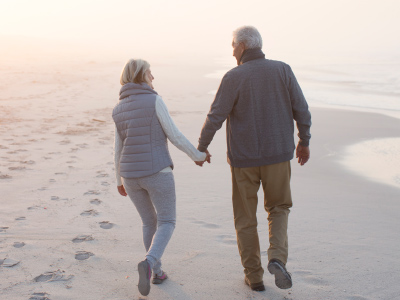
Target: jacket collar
point(131, 88)
point(251, 54)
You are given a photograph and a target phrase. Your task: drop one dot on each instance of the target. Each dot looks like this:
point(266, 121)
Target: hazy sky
point(178, 27)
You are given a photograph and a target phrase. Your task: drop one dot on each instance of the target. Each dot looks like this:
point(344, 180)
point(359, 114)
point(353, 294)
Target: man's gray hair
point(249, 36)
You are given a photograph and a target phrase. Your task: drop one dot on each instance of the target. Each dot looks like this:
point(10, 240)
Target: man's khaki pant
point(275, 180)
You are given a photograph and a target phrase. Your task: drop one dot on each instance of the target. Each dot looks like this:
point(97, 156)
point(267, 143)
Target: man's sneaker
point(258, 287)
point(283, 280)
point(159, 279)
point(144, 277)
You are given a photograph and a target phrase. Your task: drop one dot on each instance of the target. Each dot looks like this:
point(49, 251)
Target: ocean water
point(361, 86)
point(369, 86)
point(376, 160)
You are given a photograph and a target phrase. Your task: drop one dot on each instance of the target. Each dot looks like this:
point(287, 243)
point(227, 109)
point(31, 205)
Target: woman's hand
point(208, 159)
point(122, 191)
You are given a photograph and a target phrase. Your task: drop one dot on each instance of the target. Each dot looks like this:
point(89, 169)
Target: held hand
point(121, 190)
point(302, 154)
point(208, 159)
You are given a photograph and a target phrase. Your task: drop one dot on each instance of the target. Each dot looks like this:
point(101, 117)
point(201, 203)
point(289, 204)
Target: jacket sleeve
point(301, 114)
point(174, 135)
point(220, 109)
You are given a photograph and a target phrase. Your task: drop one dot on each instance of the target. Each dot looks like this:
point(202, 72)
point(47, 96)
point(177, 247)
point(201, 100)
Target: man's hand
point(302, 154)
point(122, 191)
point(208, 159)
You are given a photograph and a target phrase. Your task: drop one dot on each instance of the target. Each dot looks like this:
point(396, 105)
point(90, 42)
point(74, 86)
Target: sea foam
point(377, 160)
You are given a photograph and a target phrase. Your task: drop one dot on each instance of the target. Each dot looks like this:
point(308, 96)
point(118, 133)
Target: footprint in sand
point(52, 180)
point(92, 192)
point(39, 296)
point(71, 162)
point(16, 168)
point(82, 238)
point(207, 225)
point(102, 175)
point(20, 219)
point(8, 262)
point(5, 176)
point(105, 183)
point(27, 162)
point(90, 212)
point(310, 278)
point(3, 229)
point(34, 207)
point(106, 225)
point(64, 142)
point(95, 201)
point(55, 198)
point(58, 275)
point(42, 188)
point(83, 255)
point(60, 173)
point(192, 254)
point(84, 145)
point(227, 239)
point(313, 280)
point(19, 244)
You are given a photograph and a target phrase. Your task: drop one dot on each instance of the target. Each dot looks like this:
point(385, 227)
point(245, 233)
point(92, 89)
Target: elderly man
point(259, 99)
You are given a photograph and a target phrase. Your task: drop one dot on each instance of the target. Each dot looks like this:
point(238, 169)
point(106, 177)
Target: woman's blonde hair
point(134, 71)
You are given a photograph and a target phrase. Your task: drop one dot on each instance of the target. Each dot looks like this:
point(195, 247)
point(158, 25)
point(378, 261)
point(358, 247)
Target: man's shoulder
point(232, 73)
point(250, 66)
point(276, 63)
point(238, 71)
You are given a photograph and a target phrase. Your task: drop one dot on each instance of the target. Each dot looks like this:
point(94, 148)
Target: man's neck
point(251, 54)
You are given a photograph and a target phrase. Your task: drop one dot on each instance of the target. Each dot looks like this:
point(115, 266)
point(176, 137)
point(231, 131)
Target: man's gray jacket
point(259, 99)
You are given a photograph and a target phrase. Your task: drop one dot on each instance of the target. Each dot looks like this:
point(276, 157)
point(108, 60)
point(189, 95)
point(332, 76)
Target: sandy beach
point(66, 233)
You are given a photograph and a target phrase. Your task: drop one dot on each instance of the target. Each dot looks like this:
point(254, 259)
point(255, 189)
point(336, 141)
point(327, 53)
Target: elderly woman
point(142, 159)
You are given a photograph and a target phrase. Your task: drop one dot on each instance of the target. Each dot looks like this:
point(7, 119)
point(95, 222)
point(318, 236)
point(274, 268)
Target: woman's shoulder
point(160, 102)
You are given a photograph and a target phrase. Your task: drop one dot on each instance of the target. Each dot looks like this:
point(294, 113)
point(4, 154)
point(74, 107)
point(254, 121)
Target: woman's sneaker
point(144, 277)
point(159, 279)
point(283, 280)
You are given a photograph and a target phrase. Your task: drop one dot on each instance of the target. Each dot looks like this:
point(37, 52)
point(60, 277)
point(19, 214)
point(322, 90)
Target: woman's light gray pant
point(155, 200)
